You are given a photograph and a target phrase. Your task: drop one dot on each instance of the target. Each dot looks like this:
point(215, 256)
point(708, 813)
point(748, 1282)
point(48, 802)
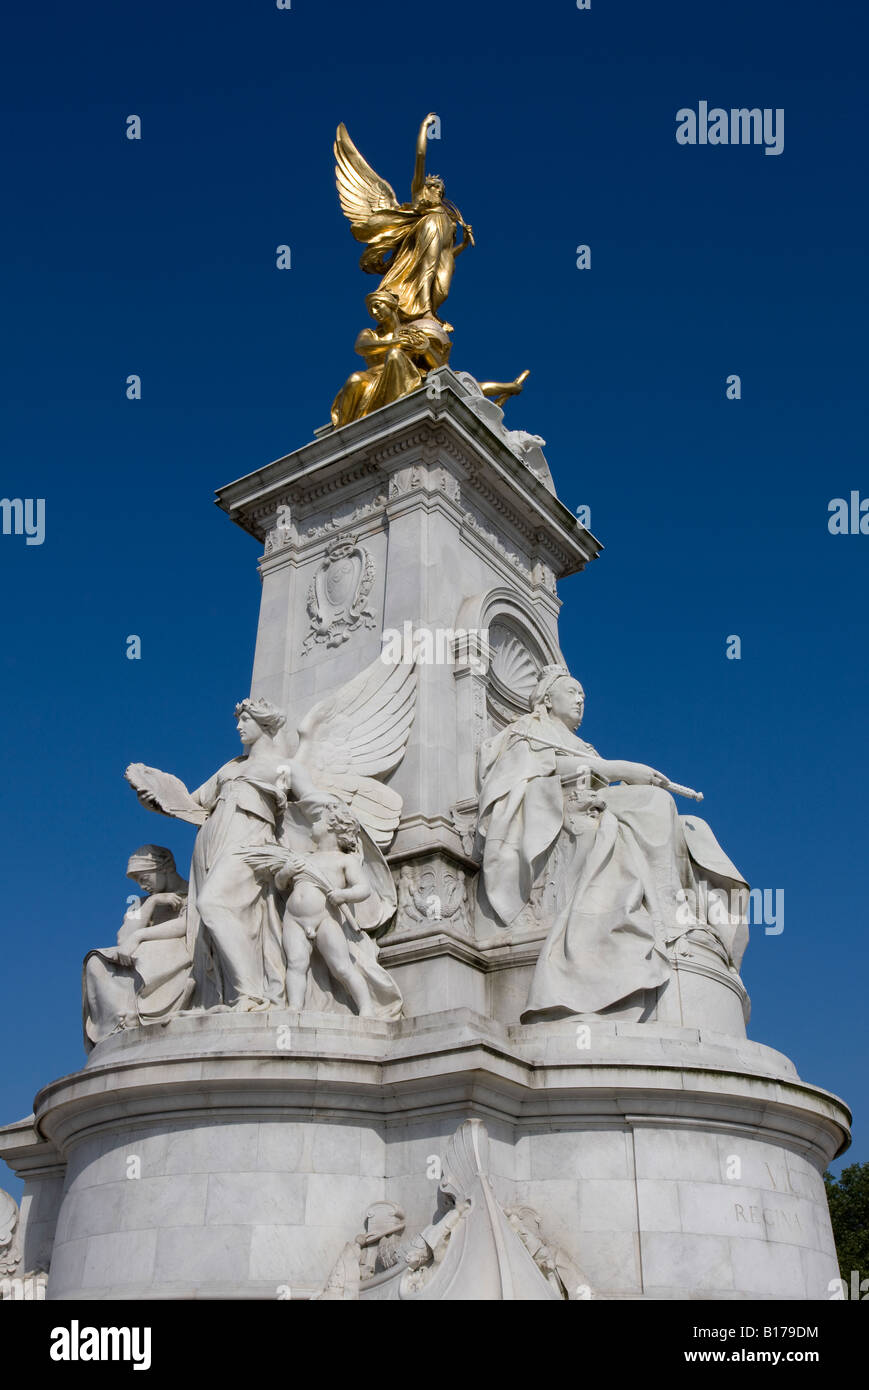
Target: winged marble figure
point(268, 797)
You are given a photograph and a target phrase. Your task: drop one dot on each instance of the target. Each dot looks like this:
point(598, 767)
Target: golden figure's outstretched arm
point(467, 239)
point(419, 166)
point(498, 391)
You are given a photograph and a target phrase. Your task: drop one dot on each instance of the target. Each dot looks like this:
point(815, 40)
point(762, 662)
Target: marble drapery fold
point(622, 866)
point(230, 907)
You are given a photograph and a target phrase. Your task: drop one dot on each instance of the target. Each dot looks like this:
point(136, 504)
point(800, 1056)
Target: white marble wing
point(359, 734)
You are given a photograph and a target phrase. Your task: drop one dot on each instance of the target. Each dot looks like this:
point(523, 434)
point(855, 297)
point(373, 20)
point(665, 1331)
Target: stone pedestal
point(420, 515)
point(234, 1156)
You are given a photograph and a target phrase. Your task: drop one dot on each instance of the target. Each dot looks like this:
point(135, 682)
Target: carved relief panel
point(337, 599)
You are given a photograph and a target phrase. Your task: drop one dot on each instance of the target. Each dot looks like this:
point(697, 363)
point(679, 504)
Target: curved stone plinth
point(234, 1155)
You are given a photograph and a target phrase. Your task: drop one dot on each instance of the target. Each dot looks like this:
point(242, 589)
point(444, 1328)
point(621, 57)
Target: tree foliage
point(848, 1196)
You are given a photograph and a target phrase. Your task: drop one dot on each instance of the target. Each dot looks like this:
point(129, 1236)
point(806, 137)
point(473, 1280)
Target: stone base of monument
point(236, 1155)
point(492, 976)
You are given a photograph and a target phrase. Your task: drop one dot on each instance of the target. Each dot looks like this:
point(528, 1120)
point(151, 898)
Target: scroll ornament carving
point(282, 532)
point(357, 514)
point(464, 821)
point(433, 891)
point(510, 556)
point(406, 480)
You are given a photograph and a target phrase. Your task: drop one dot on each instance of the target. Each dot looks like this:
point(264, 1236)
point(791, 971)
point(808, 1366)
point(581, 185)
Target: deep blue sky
point(157, 258)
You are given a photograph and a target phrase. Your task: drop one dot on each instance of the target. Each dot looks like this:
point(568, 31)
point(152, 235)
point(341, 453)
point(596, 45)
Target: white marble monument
point(449, 1004)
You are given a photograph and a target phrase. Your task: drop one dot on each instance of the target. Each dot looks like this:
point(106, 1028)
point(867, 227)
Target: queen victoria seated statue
point(627, 876)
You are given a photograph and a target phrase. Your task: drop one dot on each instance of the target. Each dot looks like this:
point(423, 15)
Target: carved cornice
point(475, 523)
point(383, 453)
point(365, 509)
point(301, 498)
point(444, 435)
point(538, 537)
point(339, 482)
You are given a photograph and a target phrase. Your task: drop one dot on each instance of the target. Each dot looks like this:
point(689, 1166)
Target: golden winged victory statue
point(412, 247)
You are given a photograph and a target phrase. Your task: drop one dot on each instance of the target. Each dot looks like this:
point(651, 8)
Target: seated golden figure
point(397, 358)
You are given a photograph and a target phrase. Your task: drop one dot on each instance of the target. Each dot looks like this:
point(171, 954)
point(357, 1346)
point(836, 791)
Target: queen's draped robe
point(624, 871)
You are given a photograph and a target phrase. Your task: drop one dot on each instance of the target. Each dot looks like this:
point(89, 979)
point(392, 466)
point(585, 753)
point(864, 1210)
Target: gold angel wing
point(360, 190)
point(359, 734)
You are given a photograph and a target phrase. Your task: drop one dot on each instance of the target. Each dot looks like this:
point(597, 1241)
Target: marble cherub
point(319, 885)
